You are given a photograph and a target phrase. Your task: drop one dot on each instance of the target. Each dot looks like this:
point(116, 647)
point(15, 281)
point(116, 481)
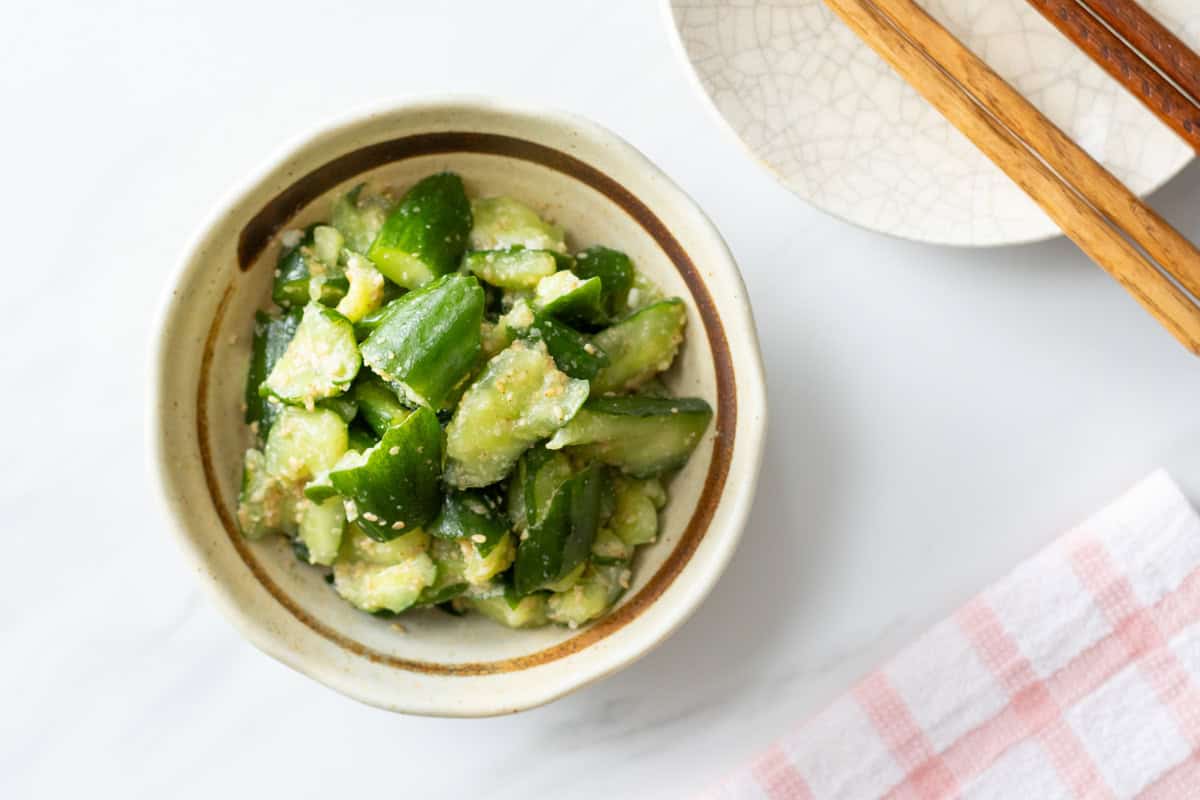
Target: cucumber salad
point(451, 408)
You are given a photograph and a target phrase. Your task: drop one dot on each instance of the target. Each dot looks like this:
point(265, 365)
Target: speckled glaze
point(844, 132)
point(602, 190)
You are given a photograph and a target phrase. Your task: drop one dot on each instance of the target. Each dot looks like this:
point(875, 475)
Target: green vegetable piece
point(344, 405)
point(501, 223)
point(520, 397)
point(321, 528)
point(640, 346)
point(365, 293)
point(366, 326)
point(474, 516)
point(299, 274)
point(451, 573)
point(359, 217)
point(644, 292)
point(394, 588)
point(479, 569)
point(378, 404)
point(597, 591)
point(643, 436)
point(516, 268)
point(542, 472)
point(271, 337)
point(530, 612)
point(429, 341)
point(565, 296)
point(609, 548)
point(615, 271)
point(320, 361)
point(426, 234)
point(358, 546)
point(394, 485)
point(303, 444)
point(635, 518)
point(571, 350)
point(266, 504)
point(360, 438)
point(562, 538)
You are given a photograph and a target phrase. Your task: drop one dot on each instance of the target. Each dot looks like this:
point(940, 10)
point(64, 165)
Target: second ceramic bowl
point(601, 190)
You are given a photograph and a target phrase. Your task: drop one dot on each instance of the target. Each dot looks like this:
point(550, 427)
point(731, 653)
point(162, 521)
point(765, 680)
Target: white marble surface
point(937, 414)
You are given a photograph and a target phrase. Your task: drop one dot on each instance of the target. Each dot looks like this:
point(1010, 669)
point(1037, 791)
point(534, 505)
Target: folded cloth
point(1078, 675)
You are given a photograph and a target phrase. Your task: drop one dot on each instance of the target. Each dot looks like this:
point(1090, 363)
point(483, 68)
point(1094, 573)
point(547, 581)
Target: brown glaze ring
point(275, 214)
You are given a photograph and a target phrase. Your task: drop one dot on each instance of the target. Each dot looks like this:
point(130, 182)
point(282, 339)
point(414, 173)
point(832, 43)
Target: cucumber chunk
point(266, 504)
point(643, 436)
point(640, 346)
point(635, 518)
point(529, 612)
point(501, 223)
point(303, 444)
point(479, 568)
point(271, 338)
point(299, 274)
point(321, 528)
point(357, 545)
point(451, 581)
point(644, 292)
point(426, 234)
point(320, 361)
point(565, 296)
point(595, 592)
point(394, 485)
point(429, 341)
point(378, 404)
point(520, 397)
point(360, 439)
point(394, 588)
point(511, 269)
point(359, 217)
point(609, 548)
point(542, 472)
point(615, 271)
point(474, 516)
point(561, 539)
point(365, 293)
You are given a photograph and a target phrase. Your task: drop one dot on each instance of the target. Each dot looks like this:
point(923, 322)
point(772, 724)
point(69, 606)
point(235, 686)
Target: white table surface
point(937, 414)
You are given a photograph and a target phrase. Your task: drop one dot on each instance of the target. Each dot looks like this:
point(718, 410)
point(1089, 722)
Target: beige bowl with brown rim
point(603, 191)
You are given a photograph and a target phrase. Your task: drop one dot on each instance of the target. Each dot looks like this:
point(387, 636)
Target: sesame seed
point(394, 451)
point(478, 538)
point(398, 525)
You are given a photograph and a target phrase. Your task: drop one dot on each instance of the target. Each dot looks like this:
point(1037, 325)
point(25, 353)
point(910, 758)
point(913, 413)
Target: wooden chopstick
point(1173, 251)
point(892, 36)
point(1125, 65)
point(1152, 40)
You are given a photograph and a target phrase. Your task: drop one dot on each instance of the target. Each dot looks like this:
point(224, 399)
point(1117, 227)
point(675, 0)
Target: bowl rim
point(749, 392)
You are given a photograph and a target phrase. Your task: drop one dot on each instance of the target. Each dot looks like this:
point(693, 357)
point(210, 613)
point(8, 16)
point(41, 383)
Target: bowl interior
point(434, 638)
point(285, 606)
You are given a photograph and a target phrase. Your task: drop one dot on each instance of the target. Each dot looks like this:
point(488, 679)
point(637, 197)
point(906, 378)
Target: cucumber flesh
point(635, 518)
point(511, 269)
point(501, 223)
point(321, 529)
point(566, 296)
point(359, 217)
point(596, 591)
point(266, 504)
point(300, 274)
point(609, 548)
point(394, 588)
point(356, 545)
point(530, 612)
point(320, 361)
point(520, 397)
point(640, 346)
point(304, 444)
point(643, 436)
point(426, 234)
point(365, 293)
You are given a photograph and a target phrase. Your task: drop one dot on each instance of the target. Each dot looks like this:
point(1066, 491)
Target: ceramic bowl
point(842, 130)
point(602, 190)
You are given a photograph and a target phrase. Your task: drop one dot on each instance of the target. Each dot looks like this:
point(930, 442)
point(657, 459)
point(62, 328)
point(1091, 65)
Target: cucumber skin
point(640, 346)
point(378, 404)
point(429, 339)
point(293, 272)
point(562, 538)
point(472, 513)
point(515, 268)
point(271, 338)
point(613, 268)
point(642, 436)
point(429, 228)
point(568, 347)
point(399, 481)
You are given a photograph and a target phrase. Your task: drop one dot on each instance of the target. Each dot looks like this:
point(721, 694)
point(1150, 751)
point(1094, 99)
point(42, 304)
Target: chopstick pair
point(1091, 206)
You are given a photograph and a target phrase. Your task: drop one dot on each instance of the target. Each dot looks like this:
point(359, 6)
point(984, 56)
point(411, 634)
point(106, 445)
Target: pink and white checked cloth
point(1078, 675)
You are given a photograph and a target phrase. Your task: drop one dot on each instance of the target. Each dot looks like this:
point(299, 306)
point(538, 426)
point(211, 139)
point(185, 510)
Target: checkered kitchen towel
point(1078, 675)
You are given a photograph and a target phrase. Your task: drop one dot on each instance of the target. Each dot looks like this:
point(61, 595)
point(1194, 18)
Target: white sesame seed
point(478, 538)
